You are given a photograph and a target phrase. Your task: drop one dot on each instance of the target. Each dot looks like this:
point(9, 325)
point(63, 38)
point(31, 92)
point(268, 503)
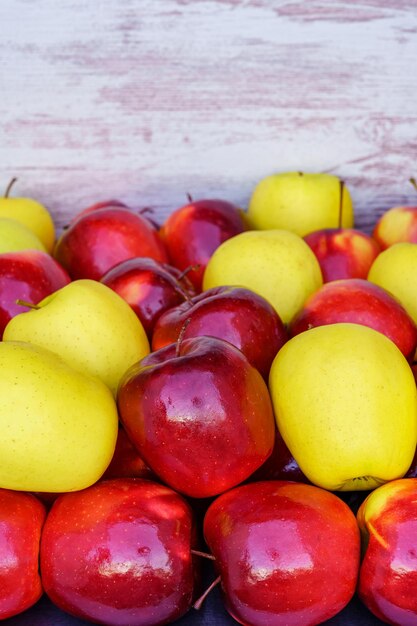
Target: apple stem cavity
point(30, 305)
point(181, 336)
point(204, 555)
point(342, 186)
point(199, 603)
point(9, 187)
point(413, 181)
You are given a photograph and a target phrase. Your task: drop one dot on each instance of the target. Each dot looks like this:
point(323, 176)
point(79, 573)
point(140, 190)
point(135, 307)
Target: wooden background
point(145, 100)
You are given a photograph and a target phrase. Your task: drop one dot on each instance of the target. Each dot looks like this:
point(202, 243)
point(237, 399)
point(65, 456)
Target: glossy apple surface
point(388, 575)
point(343, 252)
point(287, 553)
point(361, 302)
point(396, 225)
point(29, 275)
point(237, 315)
point(199, 414)
point(21, 520)
point(104, 204)
point(101, 239)
point(126, 461)
point(148, 286)
point(193, 232)
point(119, 553)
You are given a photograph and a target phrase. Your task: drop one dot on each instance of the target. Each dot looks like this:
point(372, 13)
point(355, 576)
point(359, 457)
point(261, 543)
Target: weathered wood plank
point(146, 101)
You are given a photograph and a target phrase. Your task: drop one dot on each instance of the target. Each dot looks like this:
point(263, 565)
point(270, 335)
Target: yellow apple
point(276, 264)
point(301, 203)
point(58, 426)
point(345, 402)
point(15, 237)
point(89, 325)
point(31, 214)
point(395, 269)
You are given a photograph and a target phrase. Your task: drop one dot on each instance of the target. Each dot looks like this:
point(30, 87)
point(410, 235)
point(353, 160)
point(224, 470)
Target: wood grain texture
point(145, 101)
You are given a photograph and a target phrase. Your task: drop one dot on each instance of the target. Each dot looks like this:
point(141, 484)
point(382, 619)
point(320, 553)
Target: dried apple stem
point(30, 305)
point(199, 603)
point(9, 187)
point(181, 336)
point(189, 197)
point(204, 555)
point(342, 186)
point(413, 182)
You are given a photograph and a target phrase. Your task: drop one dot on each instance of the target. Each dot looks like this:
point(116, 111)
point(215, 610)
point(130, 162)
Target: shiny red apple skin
point(343, 252)
point(119, 553)
point(101, 239)
point(104, 204)
point(193, 232)
point(237, 315)
point(28, 275)
point(360, 302)
point(398, 224)
point(201, 419)
point(126, 461)
point(21, 519)
point(148, 286)
point(388, 574)
point(287, 553)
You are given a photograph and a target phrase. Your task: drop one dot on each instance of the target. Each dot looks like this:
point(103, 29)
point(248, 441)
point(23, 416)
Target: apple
point(21, 520)
point(193, 232)
point(360, 302)
point(148, 286)
point(15, 236)
point(30, 214)
point(276, 264)
point(281, 465)
point(287, 553)
point(343, 252)
point(199, 414)
point(58, 426)
point(119, 553)
point(398, 224)
point(395, 269)
point(388, 575)
point(104, 204)
point(300, 202)
point(345, 401)
point(237, 315)
point(29, 275)
point(101, 239)
point(126, 461)
point(89, 325)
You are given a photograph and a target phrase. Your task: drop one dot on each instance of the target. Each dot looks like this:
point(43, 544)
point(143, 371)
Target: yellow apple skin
point(395, 269)
point(301, 203)
point(33, 215)
point(89, 325)
point(14, 237)
point(345, 402)
point(276, 264)
point(58, 426)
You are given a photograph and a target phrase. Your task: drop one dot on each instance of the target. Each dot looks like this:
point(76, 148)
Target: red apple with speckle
point(235, 314)
point(119, 553)
point(360, 302)
point(100, 239)
point(287, 553)
point(343, 252)
point(199, 414)
point(21, 519)
point(193, 232)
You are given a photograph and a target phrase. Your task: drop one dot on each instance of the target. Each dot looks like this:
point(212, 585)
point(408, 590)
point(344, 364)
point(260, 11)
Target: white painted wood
point(145, 100)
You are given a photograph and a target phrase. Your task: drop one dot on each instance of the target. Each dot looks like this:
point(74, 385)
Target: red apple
point(360, 302)
point(101, 239)
point(287, 553)
point(149, 286)
point(21, 520)
point(199, 414)
point(235, 314)
point(126, 461)
point(193, 232)
point(396, 225)
point(343, 252)
point(104, 204)
point(388, 574)
point(28, 275)
point(281, 465)
point(119, 553)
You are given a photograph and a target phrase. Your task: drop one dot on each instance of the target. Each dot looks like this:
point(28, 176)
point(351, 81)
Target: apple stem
point(189, 197)
point(181, 336)
point(184, 295)
point(9, 187)
point(199, 603)
point(342, 186)
point(190, 268)
point(204, 555)
point(413, 181)
point(30, 305)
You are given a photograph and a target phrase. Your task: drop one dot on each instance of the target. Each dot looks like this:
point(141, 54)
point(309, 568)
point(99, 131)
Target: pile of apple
point(251, 365)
